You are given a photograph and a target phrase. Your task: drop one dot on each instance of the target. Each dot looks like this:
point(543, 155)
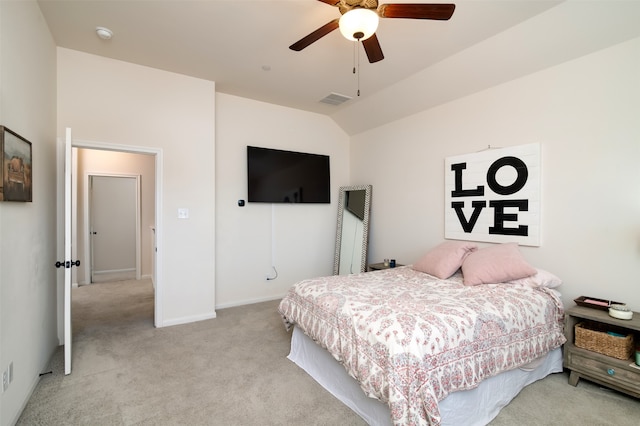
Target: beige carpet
point(233, 370)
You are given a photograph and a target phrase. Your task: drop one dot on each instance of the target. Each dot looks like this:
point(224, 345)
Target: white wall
point(27, 230)
point(114, 102)
point(131, 111)
point(584, 114)
point(94, 161)
point(303, 241)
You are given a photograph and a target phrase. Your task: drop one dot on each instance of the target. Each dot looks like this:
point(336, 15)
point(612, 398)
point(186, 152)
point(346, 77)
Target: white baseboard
point(32, 387)
point(249, 301)
point(113, 271)
point(114, 275)
point(187, 320)
point(195, 318)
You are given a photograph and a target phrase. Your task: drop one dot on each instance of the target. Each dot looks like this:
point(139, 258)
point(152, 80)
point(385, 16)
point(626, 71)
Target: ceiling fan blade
point(441, 12)
point(373, 49)
point(315, 36)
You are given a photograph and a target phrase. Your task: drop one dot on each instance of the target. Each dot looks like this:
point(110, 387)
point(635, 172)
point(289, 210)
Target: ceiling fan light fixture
point(359, 24)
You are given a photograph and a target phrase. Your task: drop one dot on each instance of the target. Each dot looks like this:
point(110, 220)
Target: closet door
point(113, 229)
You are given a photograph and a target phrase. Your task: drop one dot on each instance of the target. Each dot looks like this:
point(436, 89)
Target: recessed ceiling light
point(104, 33)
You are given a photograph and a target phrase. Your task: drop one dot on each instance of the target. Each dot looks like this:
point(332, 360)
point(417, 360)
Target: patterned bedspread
point(411, 339)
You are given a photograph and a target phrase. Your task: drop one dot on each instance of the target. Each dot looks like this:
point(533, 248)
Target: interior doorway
point(116, 160)
point(115, 210)
point(67, 173)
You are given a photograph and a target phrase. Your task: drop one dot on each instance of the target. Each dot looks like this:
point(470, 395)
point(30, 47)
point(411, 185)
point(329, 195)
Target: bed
point(414, 349)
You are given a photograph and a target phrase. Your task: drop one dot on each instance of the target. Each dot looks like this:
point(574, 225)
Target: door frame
point(158, 318)
point(88, 241)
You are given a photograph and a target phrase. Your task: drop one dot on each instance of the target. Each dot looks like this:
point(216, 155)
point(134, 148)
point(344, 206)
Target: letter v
point(477, 208)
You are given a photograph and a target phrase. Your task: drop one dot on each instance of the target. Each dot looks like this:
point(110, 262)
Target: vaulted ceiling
point(243, 45)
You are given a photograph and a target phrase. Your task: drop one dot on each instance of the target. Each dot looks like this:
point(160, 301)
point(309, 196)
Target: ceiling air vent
point(335, 99)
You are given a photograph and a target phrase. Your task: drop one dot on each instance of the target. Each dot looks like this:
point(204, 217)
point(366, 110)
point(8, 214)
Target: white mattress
point(471, 407)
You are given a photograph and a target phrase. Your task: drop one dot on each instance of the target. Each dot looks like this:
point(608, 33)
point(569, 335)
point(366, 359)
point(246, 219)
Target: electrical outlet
point(5, 380)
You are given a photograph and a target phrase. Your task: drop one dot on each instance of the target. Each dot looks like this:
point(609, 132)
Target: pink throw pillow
point(496, 264)
point(445, 259)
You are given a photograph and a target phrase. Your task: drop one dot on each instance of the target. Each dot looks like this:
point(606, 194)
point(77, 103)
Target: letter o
point(521, 179)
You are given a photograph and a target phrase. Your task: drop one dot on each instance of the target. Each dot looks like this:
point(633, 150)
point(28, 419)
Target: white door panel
point(67, 252)
point(113, 230)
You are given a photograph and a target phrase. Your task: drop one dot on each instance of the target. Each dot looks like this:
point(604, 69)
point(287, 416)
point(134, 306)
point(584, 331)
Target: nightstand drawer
point(596, 365)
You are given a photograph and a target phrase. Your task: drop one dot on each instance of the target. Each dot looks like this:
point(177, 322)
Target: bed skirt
point(471, 407)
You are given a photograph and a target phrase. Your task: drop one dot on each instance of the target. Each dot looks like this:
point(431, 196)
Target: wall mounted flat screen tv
point(276, 176)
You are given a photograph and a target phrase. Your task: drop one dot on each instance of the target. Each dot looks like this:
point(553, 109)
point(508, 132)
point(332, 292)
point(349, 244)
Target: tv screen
point(276, 176)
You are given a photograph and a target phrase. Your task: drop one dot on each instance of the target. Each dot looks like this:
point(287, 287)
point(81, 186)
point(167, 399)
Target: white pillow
point(541, 278)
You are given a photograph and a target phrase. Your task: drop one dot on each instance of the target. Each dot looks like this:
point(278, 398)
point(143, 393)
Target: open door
point(67, 263)
point(67, 252)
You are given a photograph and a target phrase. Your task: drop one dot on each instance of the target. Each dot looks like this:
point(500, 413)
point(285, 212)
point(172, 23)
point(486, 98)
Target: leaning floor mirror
point(352, 235)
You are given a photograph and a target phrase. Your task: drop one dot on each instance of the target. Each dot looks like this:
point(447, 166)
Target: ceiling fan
point(365, 14)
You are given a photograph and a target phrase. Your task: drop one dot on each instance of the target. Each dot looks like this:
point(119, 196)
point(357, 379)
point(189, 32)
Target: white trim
point(249, 301)
point(138, 228)
point(114, 271)
point(187, 320)
point(88, 245)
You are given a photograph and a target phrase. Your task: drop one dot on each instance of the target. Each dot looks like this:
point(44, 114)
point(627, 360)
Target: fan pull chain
point(358, 48)
point(354, 57)
point(356, 62)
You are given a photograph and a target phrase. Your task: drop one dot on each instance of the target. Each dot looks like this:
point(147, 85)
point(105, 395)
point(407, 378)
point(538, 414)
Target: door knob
point(67, 264)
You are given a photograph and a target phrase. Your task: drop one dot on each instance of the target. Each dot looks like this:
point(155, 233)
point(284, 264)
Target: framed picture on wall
point(494, 195)
point(16, 167)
